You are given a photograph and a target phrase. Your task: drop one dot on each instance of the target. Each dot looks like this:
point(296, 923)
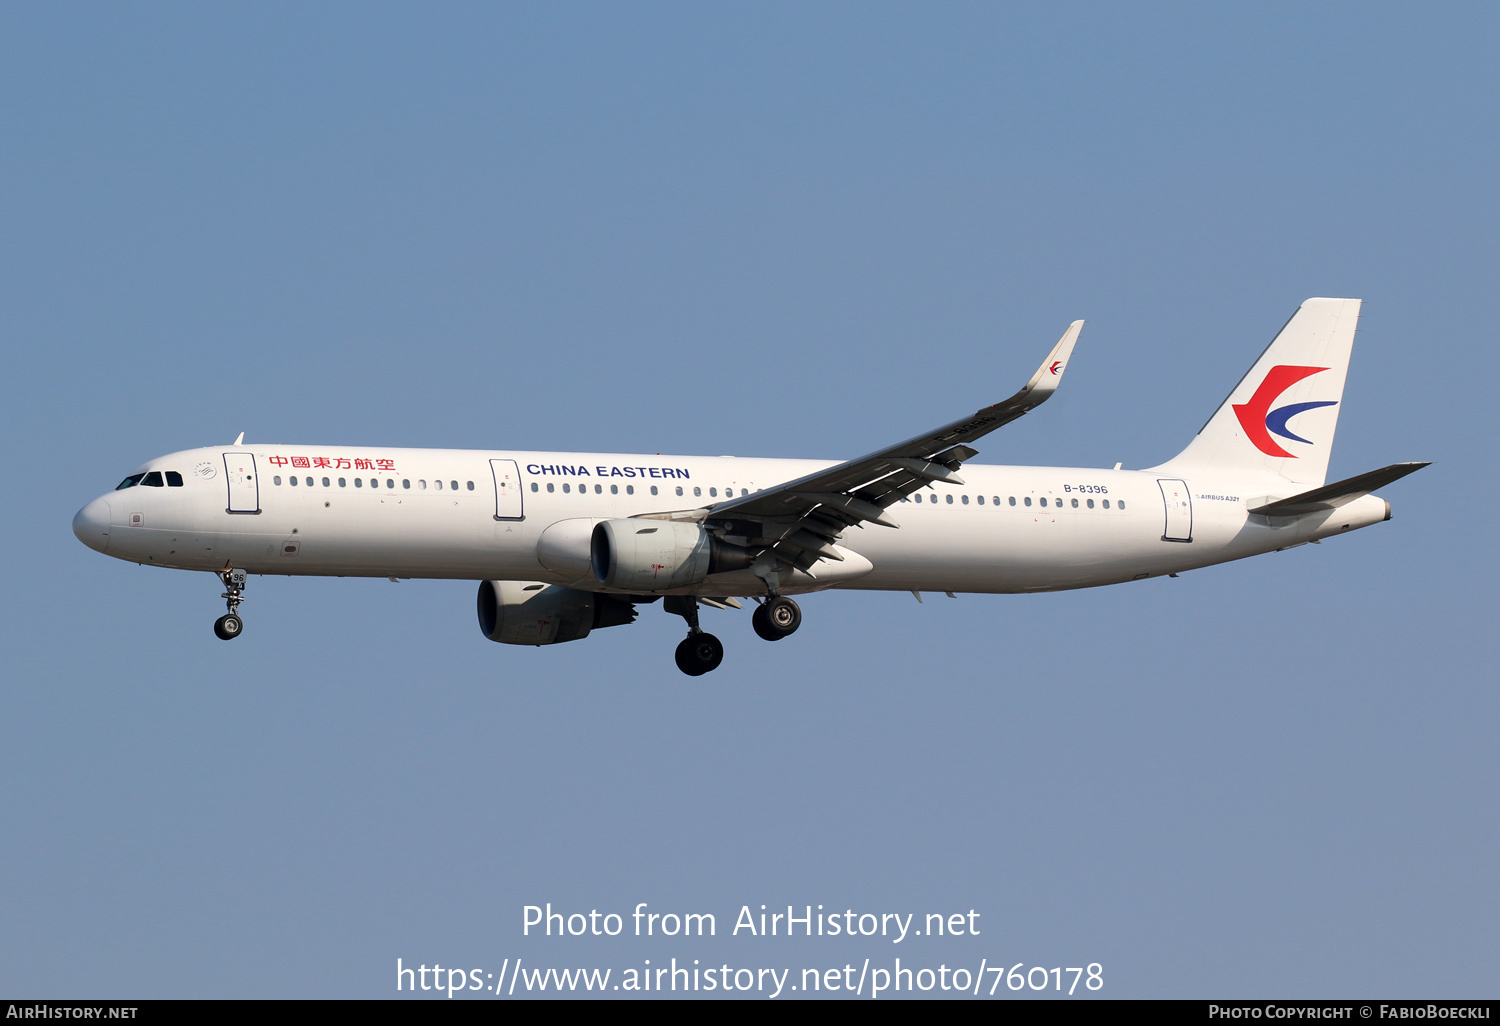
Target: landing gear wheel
point(229, 626)
point(699, 653)
point(777, 618)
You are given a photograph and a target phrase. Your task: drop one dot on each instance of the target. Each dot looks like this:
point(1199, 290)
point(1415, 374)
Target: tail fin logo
point(1260, 421)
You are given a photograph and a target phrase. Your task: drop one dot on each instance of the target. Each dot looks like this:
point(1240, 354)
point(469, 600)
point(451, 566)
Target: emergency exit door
point(507, 490)
point(1179, 510)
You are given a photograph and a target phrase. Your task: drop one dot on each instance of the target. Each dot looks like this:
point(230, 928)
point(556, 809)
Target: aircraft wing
point(802, 519)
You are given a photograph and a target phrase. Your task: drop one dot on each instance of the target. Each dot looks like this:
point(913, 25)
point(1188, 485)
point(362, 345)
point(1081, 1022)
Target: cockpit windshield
point(152, 479)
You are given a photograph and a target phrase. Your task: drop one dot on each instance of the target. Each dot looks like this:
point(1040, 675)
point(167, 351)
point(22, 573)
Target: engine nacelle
point(531, 613)
point(644, 556)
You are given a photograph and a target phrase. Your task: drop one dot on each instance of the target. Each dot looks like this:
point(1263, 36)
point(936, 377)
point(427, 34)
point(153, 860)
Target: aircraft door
point(508, 504)
point(244, 489)
point(1179, 509)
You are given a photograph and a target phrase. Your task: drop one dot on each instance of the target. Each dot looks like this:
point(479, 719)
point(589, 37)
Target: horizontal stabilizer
point(1337, 494)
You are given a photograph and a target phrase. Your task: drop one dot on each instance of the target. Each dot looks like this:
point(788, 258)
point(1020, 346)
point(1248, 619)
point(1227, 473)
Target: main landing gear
point(700, 651)
point(229, 626)
point(775, 618)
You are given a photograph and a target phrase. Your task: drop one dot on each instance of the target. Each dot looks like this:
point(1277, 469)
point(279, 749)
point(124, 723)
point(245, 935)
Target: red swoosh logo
point(1252, 415)
point(1055, 364)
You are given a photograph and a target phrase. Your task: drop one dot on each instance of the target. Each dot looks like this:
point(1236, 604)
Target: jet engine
point(659, 555)
point(530, 613)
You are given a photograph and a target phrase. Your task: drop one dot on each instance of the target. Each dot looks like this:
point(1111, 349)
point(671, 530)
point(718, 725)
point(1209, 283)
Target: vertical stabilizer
point(1281, 417)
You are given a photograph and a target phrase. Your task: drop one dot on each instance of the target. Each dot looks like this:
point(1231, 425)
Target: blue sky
point(780, 230)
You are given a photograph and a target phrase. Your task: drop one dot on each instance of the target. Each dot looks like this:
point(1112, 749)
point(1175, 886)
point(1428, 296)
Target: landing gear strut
point(700, 651)
point(229, 626)
point(775, 618)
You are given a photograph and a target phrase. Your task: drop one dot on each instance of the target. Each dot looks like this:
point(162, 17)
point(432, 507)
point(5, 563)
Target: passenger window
point(966, 500)
point(326, 482)
point(1120, 504)
point(744, 491)
point(471, 486)
point(1106, 504)
point(979, 499)
point(342, 484)
point(405, 483)
point(421, 486)
point(454, 485)
point(130, 482)
point(713, 492)
point(1043, 501)
point(1028, 500)
point(950, 498)
point(598, 489)
point(359, 482)
point(1075, 503)
point(309, 481)
point(374, 482)
point(567, 488)
point(697, 492)
point(1091, 503)
point(549, 486)
point(534, 487)
point(614, 489)
point(390, 484)
point(438, 485)
point(1013, 500)
point(292, 481)
point(153, 480)
point(276, 479)
point(174, 479)
point(679, 489)
point(630, 489)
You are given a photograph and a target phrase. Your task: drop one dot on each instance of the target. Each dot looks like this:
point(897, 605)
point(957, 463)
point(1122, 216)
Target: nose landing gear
point(229, 626)
point(700, 651)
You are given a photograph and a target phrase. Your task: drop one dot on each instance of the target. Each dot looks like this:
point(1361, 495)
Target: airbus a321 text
point(566, 543)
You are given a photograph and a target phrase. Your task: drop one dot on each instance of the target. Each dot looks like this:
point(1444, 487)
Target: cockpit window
point(130, 482)
point(152, 480)
point(174, 479)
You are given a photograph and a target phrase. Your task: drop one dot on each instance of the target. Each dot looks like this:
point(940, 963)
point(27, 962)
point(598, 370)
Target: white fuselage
point(444, 513)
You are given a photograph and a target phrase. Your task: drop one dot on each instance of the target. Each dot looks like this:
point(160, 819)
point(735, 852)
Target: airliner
point(563, 544)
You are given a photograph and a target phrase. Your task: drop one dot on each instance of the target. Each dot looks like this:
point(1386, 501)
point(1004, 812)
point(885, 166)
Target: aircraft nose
point(91, 525)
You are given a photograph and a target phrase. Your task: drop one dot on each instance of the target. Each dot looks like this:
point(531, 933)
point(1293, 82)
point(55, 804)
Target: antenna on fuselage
point(240, 440)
